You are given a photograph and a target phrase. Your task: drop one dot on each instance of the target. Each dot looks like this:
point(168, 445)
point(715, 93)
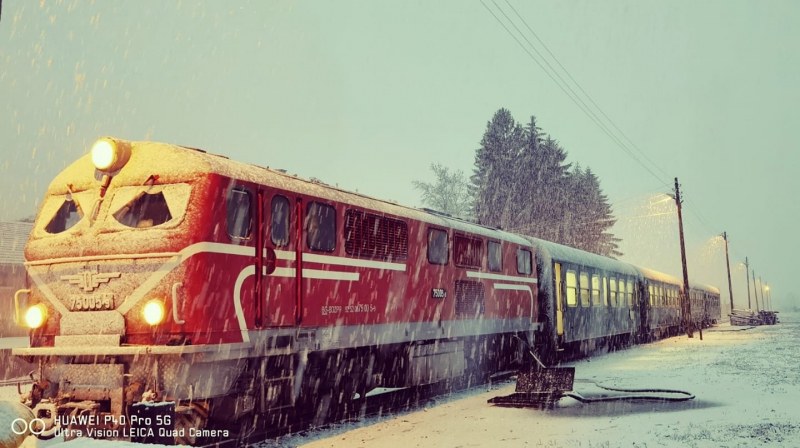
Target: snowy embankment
point(746, 383)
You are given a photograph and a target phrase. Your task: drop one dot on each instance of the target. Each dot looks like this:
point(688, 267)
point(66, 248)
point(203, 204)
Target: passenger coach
point(586, 300)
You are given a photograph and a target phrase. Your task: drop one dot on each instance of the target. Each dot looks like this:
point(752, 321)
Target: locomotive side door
point(278, 233)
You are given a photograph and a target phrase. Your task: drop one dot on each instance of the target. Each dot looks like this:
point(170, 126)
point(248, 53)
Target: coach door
point(277, 286)
point(559, 300)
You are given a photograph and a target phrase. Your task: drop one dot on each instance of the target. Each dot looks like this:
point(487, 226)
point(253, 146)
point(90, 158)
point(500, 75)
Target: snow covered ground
point(746, 383)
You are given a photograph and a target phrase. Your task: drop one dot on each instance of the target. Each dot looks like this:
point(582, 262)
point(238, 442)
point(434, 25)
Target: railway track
point(377, 404)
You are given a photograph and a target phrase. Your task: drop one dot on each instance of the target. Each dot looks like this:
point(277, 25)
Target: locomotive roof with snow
point(176, 164)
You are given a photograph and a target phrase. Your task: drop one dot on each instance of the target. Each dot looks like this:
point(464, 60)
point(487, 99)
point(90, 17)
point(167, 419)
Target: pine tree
point(494, 170)
point(542, 172)
point(523, 184)
point(590, 215)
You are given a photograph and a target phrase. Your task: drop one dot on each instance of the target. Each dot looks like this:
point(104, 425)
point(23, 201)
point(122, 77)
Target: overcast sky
point(367, 94)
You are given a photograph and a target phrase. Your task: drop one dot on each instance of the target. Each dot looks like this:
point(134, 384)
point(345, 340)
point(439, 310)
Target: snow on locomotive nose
point(114, 259)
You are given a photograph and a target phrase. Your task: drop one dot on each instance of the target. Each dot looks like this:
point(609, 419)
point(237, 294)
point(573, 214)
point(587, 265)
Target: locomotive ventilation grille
point(469, 299)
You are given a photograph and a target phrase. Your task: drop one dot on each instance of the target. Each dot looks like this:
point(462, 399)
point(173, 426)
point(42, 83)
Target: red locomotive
point(168, 274)
point(163, 271)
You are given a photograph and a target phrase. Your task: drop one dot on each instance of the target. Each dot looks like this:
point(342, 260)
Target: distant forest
point(521, 183)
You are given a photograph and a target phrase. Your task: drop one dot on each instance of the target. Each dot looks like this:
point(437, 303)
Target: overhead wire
point(565, 87)
point(586, 94)
point(616, 135)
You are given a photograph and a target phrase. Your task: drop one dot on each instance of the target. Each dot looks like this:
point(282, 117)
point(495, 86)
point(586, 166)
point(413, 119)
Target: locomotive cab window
point(145, 210)
point(524, 262)
point(495, 256)
point(279, 223)
point(437, 246)
point(240, 219)
point(66, 217)
point(320, 225)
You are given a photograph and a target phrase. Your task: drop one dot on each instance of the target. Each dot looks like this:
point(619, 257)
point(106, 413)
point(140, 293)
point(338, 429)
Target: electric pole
point(755, 290)
point(728, 264)
point(687, 305)
point(747, 276)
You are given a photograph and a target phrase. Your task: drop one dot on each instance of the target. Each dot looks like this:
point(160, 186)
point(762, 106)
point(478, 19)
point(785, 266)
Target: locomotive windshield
point(64, 212)
point(146, 210)
point(149, 206)
point(131, 207)
point(66, 217)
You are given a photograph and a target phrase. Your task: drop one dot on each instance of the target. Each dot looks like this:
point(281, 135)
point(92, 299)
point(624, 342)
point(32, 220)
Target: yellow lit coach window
point(629, 295)
point(596, 300)
point(584, 285)
point(572, 289)
point(612, 290)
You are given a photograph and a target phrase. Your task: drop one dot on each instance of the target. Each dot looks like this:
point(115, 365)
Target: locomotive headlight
point(36, 316)
point(110, 155)
point(153, 312)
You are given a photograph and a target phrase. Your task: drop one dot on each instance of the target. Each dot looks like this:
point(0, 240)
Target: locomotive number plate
point(438, 293)
point(91, 302)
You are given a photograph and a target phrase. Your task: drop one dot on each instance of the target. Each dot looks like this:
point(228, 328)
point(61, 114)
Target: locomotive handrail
point(175, 287)
point(16, 304)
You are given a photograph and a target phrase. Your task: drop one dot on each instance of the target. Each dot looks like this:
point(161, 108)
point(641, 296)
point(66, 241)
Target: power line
point(586, 94)
point(617, 135)
point(571, 94)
